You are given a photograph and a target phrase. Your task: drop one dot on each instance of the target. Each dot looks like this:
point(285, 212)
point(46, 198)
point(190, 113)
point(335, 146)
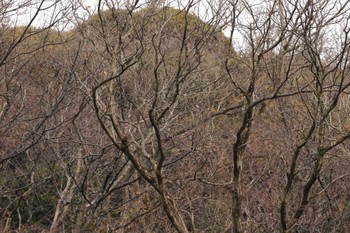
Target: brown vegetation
point(146, 118)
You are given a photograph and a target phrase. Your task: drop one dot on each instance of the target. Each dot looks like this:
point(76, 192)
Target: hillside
point(145, 119)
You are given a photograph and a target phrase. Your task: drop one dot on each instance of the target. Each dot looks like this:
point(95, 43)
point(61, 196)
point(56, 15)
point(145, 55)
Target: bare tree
point(134, 116)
